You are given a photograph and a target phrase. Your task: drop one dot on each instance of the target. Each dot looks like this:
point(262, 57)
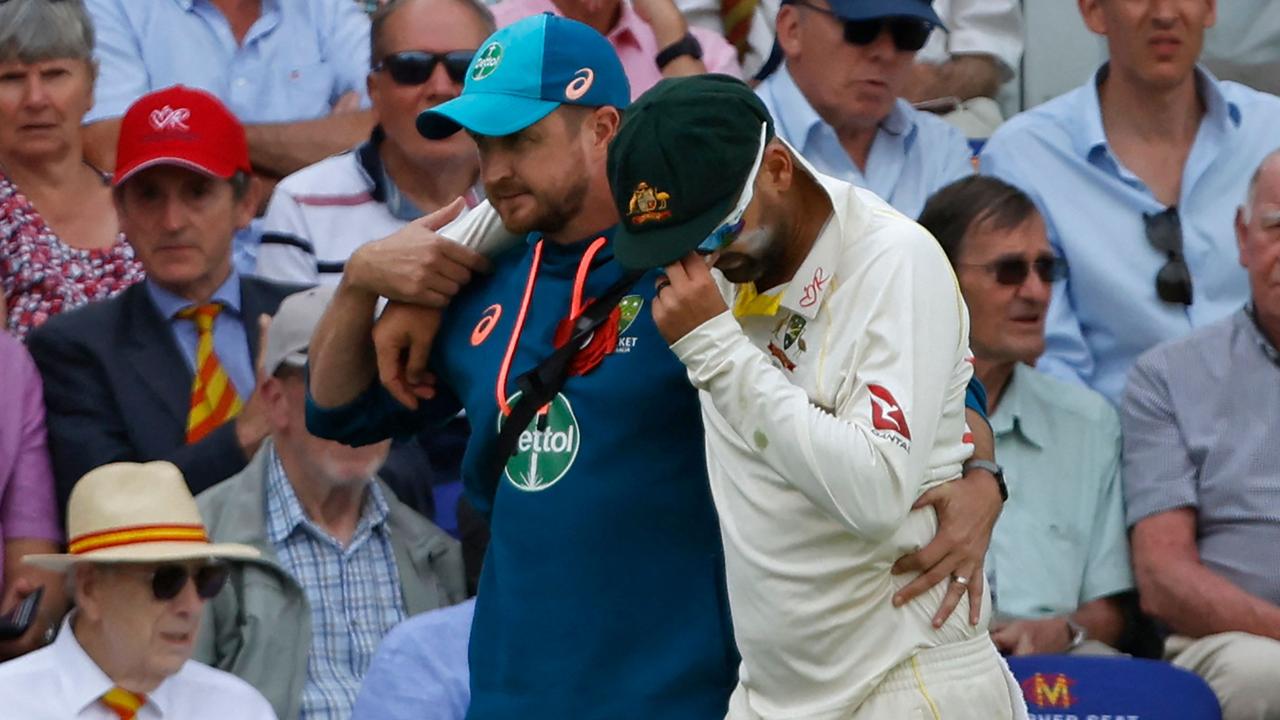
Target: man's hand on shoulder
point(687, 297)
point(416, 264)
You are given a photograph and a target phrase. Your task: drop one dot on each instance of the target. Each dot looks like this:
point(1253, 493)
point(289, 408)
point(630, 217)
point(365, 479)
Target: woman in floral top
point(60, 244)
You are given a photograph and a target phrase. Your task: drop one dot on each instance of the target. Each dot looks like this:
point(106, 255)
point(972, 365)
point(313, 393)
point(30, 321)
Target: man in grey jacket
point(342, 560)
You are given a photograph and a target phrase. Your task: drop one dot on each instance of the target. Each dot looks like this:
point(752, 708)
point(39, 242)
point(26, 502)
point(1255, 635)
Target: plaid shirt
point(353, 591)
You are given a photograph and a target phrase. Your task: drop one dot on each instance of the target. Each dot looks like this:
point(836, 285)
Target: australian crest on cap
point(648, 204)
point(487, 61)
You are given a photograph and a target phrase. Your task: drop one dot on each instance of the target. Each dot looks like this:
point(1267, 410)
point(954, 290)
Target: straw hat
point(135, 513)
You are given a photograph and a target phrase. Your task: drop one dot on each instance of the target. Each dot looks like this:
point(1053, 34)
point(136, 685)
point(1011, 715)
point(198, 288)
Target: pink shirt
point(634, 42)
point(27, 505)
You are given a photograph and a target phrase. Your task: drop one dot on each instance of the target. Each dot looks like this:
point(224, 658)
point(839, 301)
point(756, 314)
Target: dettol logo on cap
point(487, 61)
point(546, 449)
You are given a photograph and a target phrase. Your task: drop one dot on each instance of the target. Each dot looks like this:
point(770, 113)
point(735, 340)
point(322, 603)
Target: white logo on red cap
point(167, 118)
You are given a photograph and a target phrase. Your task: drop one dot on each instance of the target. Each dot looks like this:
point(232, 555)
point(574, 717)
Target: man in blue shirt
point(434, 646)
point(1130, 172)
point(837, 100)
point(602, 594)
point(292, 71)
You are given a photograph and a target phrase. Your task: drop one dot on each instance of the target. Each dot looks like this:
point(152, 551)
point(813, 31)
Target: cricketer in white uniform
point(831, 402)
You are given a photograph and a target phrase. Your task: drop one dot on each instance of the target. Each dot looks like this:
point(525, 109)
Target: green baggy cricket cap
point(679, 163)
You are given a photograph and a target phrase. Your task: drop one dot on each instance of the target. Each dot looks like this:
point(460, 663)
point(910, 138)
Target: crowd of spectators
point(174, 173)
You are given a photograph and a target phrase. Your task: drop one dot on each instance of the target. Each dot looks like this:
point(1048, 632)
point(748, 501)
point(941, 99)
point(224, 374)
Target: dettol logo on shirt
point(546, 449)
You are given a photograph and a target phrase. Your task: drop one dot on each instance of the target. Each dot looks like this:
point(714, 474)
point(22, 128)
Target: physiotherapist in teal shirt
point(602, 594)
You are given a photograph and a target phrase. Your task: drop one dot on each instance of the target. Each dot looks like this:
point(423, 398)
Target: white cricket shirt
point(824, 424)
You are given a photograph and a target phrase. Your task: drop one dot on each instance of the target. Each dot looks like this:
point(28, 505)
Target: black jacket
point(117, 388)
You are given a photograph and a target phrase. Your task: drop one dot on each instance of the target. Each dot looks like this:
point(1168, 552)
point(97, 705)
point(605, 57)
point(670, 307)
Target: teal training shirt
point(602, 595)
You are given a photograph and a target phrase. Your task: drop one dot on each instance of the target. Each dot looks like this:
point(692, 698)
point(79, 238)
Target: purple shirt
point(634, 41)
point(27, 506)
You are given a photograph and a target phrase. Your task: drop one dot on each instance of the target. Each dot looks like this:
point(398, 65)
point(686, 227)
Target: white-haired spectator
point(1200, 473)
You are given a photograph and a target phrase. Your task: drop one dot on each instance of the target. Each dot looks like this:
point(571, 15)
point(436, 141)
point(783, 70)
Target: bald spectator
point(342, 560)
point(1129, 172)
point(651, 37)
point(1059, 556)
point(28, 515)
point(292, 72)
point(321, 214)
point(1201, 468)
point(837, 98)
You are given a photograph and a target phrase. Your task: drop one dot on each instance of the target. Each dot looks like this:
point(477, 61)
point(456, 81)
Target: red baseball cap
point(181, 126)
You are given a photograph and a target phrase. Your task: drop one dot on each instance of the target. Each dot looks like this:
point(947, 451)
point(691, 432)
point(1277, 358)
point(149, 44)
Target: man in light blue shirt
point(1135, 174)
point(420, 669)
point(282, 66)
point(837, 100)
point(1059, 555)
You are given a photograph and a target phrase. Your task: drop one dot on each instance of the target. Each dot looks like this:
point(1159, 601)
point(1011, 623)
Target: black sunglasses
point(909, 34)
point(1014, 270)
point(414, 67)
point(1164, 232)
point(168, 580)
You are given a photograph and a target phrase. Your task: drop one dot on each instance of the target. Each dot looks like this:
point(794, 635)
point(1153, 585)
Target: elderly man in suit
point(165, 370)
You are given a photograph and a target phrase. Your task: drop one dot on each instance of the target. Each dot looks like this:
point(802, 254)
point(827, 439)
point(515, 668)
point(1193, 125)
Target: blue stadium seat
point(1060, 687)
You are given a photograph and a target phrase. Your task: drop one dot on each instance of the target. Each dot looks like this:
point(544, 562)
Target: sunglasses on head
point(167, 581)
point(1164, 232)
point(1014, 270)
point(414, 67)
point(909, 34)
point(729, 229)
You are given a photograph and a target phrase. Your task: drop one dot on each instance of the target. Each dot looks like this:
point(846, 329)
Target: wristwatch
point(687, 45)
point(995, 470)
point(1078, 634)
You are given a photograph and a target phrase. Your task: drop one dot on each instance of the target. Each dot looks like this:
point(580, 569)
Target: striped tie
point(737, 16)
point(213, 398)
point(123, 703)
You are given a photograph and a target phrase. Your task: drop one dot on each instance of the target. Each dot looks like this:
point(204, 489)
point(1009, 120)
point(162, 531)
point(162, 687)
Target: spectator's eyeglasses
point(1164, 232)
point(167, 581)
point(1014, 270)
point(414, 67)
point(909, 34)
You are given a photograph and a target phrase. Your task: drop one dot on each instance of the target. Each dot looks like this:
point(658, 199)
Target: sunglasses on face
point(1164, 232)
point(1013, 271)
point(909, 34)
point(167, 581)
point(729, 229)
point(414, 67)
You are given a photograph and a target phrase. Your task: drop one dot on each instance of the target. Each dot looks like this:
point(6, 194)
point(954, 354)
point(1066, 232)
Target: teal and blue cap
point(526, 70)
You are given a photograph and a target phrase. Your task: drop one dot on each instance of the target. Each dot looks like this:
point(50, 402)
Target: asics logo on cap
point(167, 118)
point(580, 84)
point(487, 61)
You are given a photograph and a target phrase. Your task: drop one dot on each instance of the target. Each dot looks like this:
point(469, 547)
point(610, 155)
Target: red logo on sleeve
point(885, 412)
